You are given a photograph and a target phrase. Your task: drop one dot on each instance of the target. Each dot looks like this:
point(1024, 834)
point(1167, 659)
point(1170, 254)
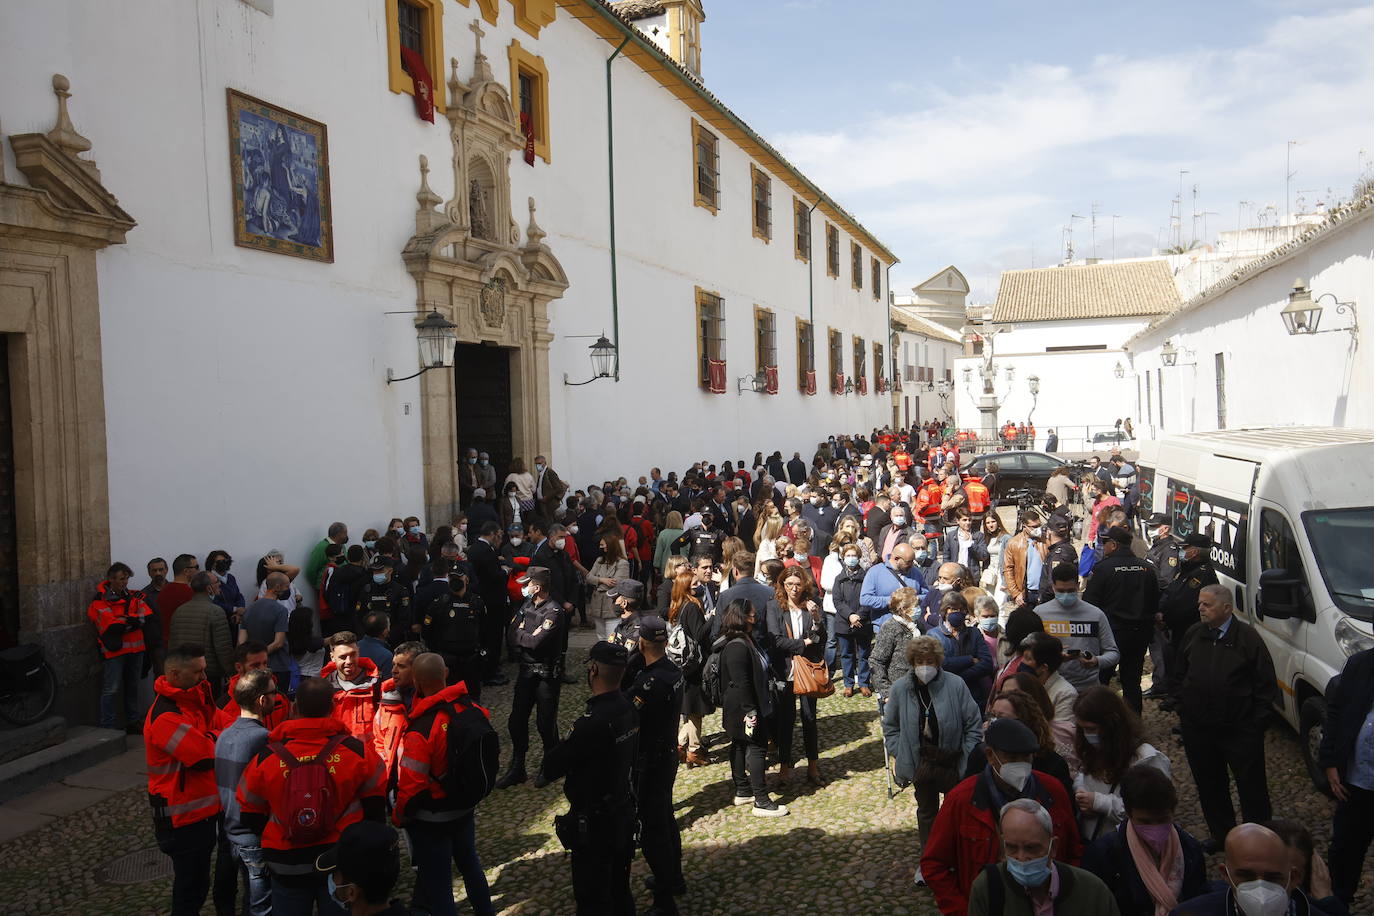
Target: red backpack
point(310, 795)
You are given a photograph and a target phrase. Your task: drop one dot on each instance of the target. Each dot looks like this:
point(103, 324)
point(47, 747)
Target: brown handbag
point(809, 679)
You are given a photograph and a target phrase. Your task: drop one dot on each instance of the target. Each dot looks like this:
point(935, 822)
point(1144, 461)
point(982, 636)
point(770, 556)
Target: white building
point(180, 382)
point(1066, 326)
point(925, 345)
point(1233, 361)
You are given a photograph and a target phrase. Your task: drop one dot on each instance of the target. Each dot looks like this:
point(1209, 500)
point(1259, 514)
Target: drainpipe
point(610, 166)
point(811, 276)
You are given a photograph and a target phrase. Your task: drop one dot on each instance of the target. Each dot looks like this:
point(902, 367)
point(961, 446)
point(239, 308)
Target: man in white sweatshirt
point(1089, 645)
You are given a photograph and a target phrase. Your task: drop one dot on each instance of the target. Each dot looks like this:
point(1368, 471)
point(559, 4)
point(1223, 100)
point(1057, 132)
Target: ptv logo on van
point(1223, 520)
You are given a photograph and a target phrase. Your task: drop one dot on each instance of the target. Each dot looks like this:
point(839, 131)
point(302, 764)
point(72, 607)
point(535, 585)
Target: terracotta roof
point(1121, 290)
point(916, 324)
point(637, 9)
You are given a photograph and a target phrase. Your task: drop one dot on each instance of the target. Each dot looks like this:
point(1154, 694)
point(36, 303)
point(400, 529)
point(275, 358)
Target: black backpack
point(711, 687)
point(474, 756)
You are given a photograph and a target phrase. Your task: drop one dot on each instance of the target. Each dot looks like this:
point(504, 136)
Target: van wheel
point(1311, 718)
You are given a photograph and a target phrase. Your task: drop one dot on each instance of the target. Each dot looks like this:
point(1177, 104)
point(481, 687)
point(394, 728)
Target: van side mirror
point(1280, 594)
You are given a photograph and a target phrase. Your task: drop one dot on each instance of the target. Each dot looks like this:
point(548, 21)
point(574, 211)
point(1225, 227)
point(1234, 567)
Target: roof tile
point(1121, 290)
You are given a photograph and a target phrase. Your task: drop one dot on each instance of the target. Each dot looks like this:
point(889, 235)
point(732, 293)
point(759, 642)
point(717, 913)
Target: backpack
point(682, 649)
point(474, 756)
point(311, 797)
point(711, 687)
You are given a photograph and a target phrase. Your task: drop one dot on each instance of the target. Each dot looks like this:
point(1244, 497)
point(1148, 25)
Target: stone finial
point(64, 134)
point(427, 217)
point(534, 236)
point(456, 89)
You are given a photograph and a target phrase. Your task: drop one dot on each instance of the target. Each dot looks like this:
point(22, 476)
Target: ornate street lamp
point(1034, 382)
point(436, 341)
point(603, 361)
point(1119, 371)
point(1303, 315)
point(1168, 355)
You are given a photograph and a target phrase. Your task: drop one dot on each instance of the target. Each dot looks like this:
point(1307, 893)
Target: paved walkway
point(85, 845)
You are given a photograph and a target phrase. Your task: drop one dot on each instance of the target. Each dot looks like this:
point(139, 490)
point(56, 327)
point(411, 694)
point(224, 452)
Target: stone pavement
point(85, 845)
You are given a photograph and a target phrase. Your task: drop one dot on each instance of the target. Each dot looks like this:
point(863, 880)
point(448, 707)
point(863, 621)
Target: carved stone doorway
point(482, 375)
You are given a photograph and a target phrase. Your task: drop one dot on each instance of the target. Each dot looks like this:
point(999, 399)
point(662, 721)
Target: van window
point(1343, 541)
point(1278, 547)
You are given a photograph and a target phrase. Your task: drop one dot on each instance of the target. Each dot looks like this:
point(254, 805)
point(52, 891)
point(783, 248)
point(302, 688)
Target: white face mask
point(925, 673)
point(1015, 774)
point(527, 590)
point(1261, 898)
point(1037, 531)
point(516, 542)
point(558, 544)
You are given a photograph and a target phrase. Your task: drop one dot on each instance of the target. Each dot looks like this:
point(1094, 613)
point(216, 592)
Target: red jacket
point(356, 707)
point(262, 793)
point(928, 498)
point(424, 754)
point(179, 745)
point(229, 710)
point(393, 714)
point(964, 837)
point(116, 616)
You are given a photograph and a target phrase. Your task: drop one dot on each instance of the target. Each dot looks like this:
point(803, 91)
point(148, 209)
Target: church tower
point(673, 25)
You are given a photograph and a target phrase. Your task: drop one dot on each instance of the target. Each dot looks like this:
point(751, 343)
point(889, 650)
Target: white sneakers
point(920, 880)
point(771, 809)
point(743, 800)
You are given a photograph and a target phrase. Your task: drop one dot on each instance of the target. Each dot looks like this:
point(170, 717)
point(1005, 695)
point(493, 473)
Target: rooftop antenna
point(1176, 216)
point(1302, 200)
point(1288, 181)
point(1193, 235)
point(1115, 217)
point(1093, 211)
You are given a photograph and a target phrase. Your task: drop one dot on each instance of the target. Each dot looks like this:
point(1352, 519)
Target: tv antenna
point(1288, 180)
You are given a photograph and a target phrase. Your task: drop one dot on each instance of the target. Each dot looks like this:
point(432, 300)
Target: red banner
point(424, 84)
point(527, 127)
point(863, 384)
point(770, 379)
point(715, 376)
point(810, 381)
point(882, 385)
point(838, 384)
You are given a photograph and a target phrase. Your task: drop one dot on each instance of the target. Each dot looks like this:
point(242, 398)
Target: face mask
point(925, 673)
point(851, 561)
point(539, 468)
point(416, 530)
point(558, 544)
point(1015, 774)
point(1037, 531)
point(943, 586)
point(837, 503)
point(1067, 599)
point(379, 578)
point(1262, 898)
point(472, 461)
point(527, 591)
point(815, 500)
point(482, 462)
point(922, 556)
point(1155, 835)
point(899, 520)
point(222, 566)
point(955, 620)
point(398, 530)
point(987, 624)
point(1029, 874)
point(572, 529)
point(799, 554)
point(334, 889)
point(369, 544)
point(1092, 738)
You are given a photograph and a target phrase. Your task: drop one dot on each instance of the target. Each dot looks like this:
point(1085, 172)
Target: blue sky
point(968, 133)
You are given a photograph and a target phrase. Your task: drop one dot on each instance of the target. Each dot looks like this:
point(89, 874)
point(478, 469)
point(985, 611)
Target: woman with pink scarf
point(1150, 863)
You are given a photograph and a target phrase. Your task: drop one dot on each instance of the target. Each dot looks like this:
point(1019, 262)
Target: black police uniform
point(1163, 555)
point(452, 626)
point(656, 691)
point(539, 650)
point(598, 759)
point(390, 597)
point(1178, 605)
point(490, 581)
point(1127, 589)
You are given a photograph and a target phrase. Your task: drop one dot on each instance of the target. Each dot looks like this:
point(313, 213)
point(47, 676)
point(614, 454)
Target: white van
point(1291, 513)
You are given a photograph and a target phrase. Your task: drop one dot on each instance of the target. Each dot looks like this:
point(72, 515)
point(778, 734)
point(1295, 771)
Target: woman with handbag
point(799, 671)
point(685, 614)
point(746, 707)
point(930, 724)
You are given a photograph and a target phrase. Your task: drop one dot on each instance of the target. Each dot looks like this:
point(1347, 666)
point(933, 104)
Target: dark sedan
point(1018, 470)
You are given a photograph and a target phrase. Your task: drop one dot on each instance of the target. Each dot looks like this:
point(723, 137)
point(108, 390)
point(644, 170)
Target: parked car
point(1113, 437)
point(1018, 470)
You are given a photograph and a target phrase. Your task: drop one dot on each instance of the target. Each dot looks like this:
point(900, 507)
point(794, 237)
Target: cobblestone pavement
point(845, 848)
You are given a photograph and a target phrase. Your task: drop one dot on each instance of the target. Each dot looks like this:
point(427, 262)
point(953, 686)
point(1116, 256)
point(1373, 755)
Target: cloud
point(1001, 158)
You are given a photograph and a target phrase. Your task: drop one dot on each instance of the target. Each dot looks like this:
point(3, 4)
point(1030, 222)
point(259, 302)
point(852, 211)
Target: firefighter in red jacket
point(279, 791)
point(965, 837)
point(441, 834)
point(124, 625)
point(179, 742)
point(250, 656)
point(393, 712)
point(356, 682)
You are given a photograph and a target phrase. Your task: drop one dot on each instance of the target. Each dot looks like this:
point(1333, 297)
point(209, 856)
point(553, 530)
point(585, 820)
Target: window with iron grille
point(856, 265)
point(836, 358)
point(860, 359)
point(710, 334)
point(832, 250)
point(877, 278)
point(765, 339)
point(801, 214)
point(527, 96)
point(1221, 391)
point(806, 352)
point(878, 366)
point(410, 22)
point(763, 203)
point(706, 147)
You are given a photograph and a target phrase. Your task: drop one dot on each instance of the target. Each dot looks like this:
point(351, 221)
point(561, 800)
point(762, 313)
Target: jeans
point(120, 676)
point(854, 647)
point(257, 880)
point(189, 847)
point(298, 895)
point(539, 694)
point(433, 846)
point(831, 645)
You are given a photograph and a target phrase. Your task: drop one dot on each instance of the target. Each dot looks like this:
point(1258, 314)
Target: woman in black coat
point(747, 707)
point(853, 623)
point(795, 627)
point(685, 611)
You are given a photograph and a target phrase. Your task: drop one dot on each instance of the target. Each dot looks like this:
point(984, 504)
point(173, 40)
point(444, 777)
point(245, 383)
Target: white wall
point(1272, 378)
point(245, 392)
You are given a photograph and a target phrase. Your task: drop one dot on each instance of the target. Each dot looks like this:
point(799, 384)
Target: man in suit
point(775, 467)
point(745, 588)
point(796, 470)
point(548, 488)
point(878, 517)
point(490, 575)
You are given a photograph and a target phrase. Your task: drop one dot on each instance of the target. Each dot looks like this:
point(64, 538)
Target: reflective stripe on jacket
point(179, 746)
point(424, 755)
point(128, 611)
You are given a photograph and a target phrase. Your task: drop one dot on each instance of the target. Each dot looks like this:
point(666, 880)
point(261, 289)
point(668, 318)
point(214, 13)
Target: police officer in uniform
point(383, 593)
point(655, 685)
point(598, 758)
point(627, 595)
point(1163, 556)
point(1127, 588)
point(537, 636)
point(452, 627)
point(1178, 605)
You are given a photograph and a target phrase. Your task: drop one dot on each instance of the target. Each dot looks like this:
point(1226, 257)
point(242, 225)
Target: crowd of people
point(879, 569)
